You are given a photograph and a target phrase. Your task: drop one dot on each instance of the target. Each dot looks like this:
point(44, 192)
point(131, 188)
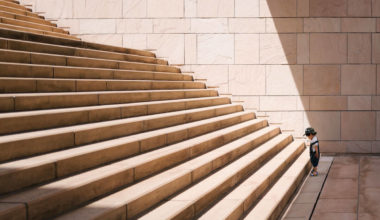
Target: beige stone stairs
point(90, 131)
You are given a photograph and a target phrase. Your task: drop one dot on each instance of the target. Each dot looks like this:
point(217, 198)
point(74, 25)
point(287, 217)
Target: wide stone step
point(136, 199)
point(13, 5)
point(33, 25)
point(19, 11)
point(20, 45)
point(32, 85)
point(55, 198)
point(274, 202)
point(21, 35)
point(26, 18)
point(22, 173)
point(235, 204)
point(46, 119)
point(191, 202)
point(31, 143)
point(62, 60)
point(36, 101)
point(48, 71)
point(36, 31)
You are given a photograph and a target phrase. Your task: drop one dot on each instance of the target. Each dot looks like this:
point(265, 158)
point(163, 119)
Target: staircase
point(90, 131)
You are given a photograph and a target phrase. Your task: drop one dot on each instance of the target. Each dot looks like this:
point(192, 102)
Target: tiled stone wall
point(300, 62)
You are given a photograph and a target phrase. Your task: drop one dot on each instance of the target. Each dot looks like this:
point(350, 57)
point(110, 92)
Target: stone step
point(19, 45)
point(63, 60)
point(138, 198)
point(36, 31)
point(49, 200)
point(46, 119)
point(26, 18)
point(35, 101)
point(28, 144)
point(32, 85)
point(33, 25)
point(48, 71)
point(35, 170)
point(20, 35)
point(235, 204)
point(193, 201)
point(274, 202)
point(19, 11)
point(13, 5)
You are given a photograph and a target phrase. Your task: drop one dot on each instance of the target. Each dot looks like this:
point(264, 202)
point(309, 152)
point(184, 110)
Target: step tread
point(147, 186)
point(126, 167)
point(190, 196)
point(73, 50)
point(126, 146)
point(79, 128)
point(271, 201)
point(241, 197)
point(96, 92)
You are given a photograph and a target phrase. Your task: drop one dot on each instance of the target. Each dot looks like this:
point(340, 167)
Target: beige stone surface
point(135, 26)
point(284, 80)
point(190, 48)
point(210, 51)
point(322, 24)
point(97, 9)
point(165, 8)
point(209, 25)
point(278, 8)
point(167, 45)
point(97, 26)
point(358, 125)
point(134, 8)
point(327, 8)
point(243, 77)
point(303, 8)
point(327, 124)
point(278, 103)
point(358, 79)
point(359, 102)
point(358, 24)
point(284, 25)
point(171, 25)
point(55, 8)
point(328, 48)
point(190, 8)
point(217, 75)
point(247, 49)
point(328, 103)
point(278, 49)
point(376, 48)
point(303, 48)
point(327, 76)
point(111, 39)
point(247, 8)
point(359, 48)
point(137, 41)
point(246, 25)
point(359, 8)
point(215, 8)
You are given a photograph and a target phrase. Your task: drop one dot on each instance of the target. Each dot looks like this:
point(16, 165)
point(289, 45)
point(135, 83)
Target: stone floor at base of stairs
point(351, 191)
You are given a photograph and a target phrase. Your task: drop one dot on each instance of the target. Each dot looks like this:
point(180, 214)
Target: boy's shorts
point(314, 160)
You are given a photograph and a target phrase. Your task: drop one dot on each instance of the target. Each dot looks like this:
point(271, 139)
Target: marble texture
point(215, 49)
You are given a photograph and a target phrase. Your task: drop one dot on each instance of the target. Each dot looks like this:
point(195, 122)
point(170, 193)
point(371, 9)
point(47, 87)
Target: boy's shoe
point(314, 174)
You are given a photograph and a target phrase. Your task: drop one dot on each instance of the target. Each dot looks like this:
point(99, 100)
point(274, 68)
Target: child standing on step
point(314, 149)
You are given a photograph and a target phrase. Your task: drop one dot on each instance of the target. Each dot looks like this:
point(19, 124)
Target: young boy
point(314, 149)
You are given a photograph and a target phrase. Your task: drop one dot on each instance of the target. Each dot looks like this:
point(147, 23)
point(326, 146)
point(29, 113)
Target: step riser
point(16, 124)
point(9, 85)
point(46, 59)
point(72, 51)
point(20, 179)
point(24, 70)
point(14, 34)
point(26, 103)
point(71, 138)
point(49, 207)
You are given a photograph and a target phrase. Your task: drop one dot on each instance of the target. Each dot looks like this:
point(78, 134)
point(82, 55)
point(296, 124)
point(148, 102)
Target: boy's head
point(310, 132)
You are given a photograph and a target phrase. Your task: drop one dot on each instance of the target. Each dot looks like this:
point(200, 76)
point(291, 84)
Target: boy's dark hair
point(309, 131)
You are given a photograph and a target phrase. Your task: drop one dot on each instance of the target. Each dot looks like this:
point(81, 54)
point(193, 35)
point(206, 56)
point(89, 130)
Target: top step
point(21, 35)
